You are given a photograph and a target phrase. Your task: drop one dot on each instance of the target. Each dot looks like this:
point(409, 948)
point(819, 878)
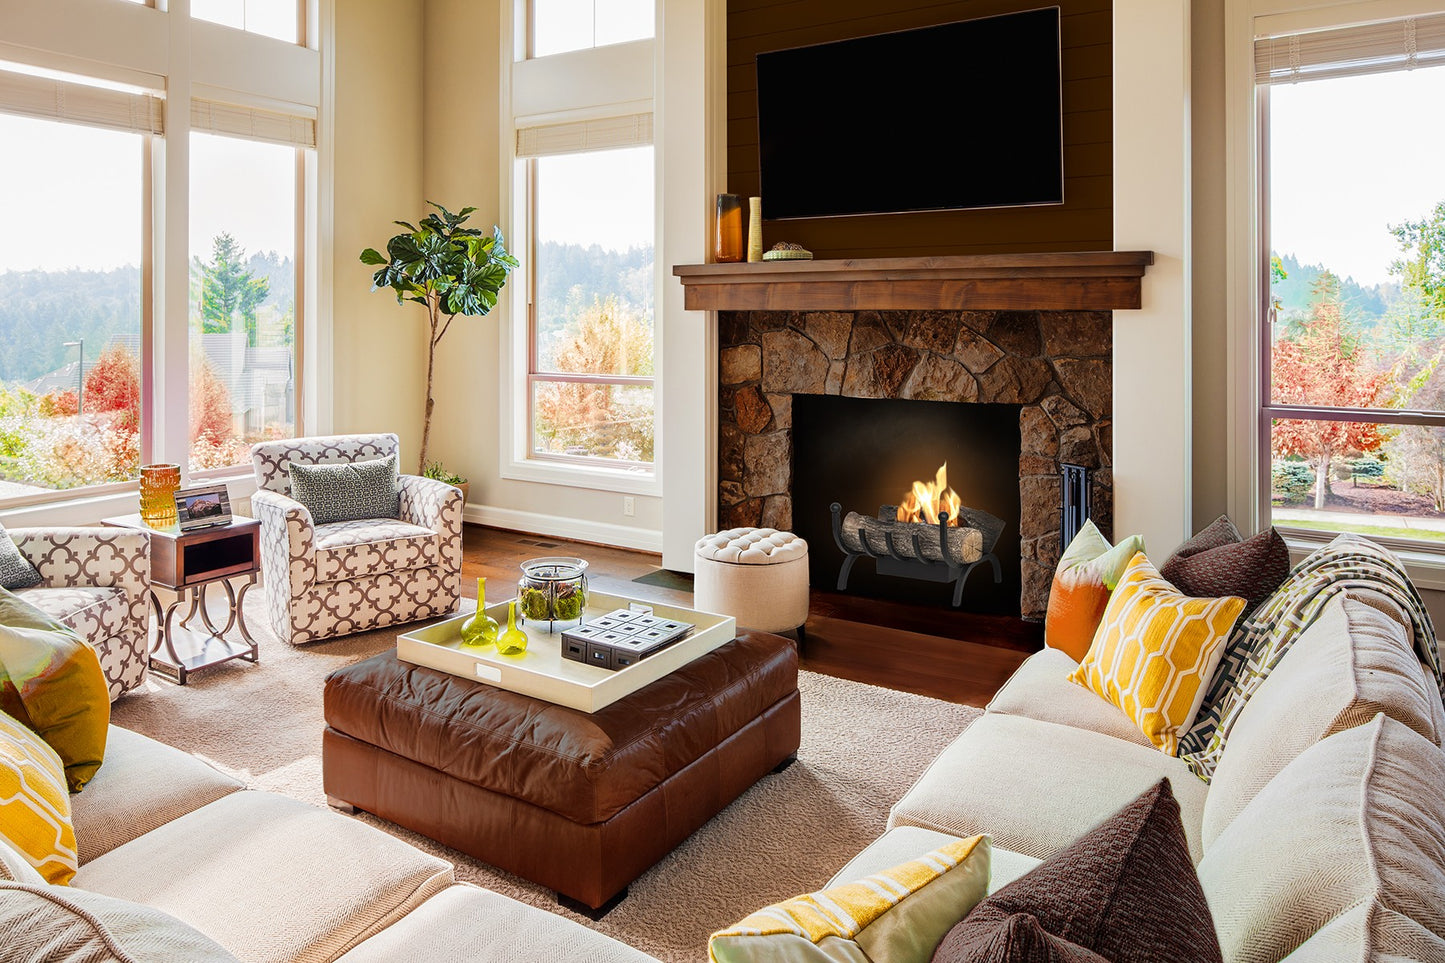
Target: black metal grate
point(1074, 480)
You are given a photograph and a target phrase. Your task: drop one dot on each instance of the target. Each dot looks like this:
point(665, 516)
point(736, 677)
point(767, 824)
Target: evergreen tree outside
point(229, 290)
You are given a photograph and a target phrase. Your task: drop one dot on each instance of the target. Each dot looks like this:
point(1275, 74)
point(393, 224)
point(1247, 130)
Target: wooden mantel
point(1065, 281)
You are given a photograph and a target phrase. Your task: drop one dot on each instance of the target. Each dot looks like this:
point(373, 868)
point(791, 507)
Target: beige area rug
point(863, 746)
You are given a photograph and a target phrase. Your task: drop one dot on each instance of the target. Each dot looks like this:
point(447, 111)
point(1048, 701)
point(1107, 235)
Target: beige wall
point(461, 168)
point(1210, 299)
point(378, 346)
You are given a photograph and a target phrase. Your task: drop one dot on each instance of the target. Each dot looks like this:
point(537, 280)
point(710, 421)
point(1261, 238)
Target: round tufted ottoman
point(759, 576)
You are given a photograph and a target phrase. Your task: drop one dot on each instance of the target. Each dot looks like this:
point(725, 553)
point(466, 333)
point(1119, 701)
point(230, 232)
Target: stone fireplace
point(1056, 365)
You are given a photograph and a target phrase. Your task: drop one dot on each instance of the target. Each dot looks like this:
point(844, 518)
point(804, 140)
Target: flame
point(927, 499)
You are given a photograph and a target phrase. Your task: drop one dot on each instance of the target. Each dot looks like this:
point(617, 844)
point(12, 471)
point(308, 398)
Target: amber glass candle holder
point(158, 486)
point(728, 242)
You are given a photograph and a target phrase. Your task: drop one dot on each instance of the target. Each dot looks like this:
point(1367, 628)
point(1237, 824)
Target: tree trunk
point(1322, 479)
point(431, 355)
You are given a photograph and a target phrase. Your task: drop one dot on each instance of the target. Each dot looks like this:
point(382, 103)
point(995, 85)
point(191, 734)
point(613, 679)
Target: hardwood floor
point(940, 653)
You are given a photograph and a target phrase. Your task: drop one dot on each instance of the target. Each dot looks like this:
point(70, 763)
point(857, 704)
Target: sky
point(73, 199)
point(603, 198)
point(577, 24)
point(1350, 157)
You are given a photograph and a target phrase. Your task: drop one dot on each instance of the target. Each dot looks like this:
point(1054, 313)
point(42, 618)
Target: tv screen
point(961, 115)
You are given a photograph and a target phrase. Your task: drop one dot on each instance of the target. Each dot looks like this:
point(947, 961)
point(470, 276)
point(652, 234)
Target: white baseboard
point(602, 533)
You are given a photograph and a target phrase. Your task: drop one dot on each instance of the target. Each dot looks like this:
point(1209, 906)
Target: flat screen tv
point(960, 115)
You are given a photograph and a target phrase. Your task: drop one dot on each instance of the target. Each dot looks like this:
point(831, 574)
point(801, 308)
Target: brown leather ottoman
point(580, 803)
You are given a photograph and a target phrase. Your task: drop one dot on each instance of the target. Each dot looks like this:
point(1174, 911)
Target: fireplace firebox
point(946, 478)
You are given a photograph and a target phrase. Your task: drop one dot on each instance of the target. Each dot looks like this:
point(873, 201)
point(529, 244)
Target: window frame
point(145, 48)
point(301, 289)
point(561, 88)
point(536, 375)
point(1267, 411)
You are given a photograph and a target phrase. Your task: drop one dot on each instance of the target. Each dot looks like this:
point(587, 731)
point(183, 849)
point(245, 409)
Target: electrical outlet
point(629, 507)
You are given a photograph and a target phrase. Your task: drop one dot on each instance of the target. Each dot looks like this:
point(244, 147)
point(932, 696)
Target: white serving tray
point(542, 673)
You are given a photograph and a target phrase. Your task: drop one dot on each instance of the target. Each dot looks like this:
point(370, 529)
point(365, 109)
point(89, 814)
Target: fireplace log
point(918, 541)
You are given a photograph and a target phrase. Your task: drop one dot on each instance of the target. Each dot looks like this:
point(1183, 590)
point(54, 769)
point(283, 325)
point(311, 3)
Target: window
point(270, 18)
point(557, 26)
point(591, 354)
point(243, 297)
point(71, 307)
point(1353, 420)
point(155, 273)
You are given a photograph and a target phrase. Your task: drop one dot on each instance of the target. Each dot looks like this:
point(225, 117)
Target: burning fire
point(928, 499)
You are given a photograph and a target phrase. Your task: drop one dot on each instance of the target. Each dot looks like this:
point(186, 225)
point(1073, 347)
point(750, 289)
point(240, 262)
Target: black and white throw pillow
point(16, 571)
point(341, 492)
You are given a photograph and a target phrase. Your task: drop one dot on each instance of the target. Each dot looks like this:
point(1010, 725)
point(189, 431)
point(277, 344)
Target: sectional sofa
point(1321, 837)
point(236, 873)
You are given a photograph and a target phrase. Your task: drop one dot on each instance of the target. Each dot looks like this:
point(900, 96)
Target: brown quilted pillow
point(1125, 891)
point(1250, 569)
point(1219, 532)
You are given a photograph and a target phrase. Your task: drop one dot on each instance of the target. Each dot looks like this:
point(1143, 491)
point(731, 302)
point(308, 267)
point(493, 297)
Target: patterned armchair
point(97, 581)
point(336, 578)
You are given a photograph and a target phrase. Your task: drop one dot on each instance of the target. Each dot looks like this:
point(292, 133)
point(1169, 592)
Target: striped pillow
point(899, 915)
point(1155, 652)
point(34, 802)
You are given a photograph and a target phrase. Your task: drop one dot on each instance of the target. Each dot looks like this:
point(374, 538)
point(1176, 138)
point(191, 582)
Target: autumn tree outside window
point(1352, 420)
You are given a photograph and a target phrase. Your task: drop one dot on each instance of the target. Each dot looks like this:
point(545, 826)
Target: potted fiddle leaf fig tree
point(447, 268)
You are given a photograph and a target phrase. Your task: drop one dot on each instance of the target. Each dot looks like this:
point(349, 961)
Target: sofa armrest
point(438, 506)
point(288, 543)
point(425, 501)
point(100, 557)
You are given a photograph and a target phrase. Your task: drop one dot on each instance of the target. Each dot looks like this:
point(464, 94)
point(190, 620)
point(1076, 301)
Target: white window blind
point(631, 130)
point(80, 103)
point(252, 123)
point(1348, 51)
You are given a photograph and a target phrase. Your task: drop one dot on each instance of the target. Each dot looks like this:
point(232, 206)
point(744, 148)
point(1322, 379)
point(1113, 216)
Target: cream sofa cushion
point(1040, 689)
point(1371, 934)
point(1352, 663)
point(270, 878)
point(464, 924)
point(61, 924)
point(142, 784)
point(1355, 818)
point(903, 843)
point(1035, 787)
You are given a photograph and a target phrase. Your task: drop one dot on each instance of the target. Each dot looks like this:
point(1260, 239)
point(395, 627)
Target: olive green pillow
point(51, 680)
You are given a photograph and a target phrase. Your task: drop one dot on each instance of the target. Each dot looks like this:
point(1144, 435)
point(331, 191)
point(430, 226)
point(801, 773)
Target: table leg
point(176, 655)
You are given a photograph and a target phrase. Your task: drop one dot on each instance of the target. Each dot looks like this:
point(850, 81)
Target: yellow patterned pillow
point(1155, 651)
point(35, 803)
point(899, 915)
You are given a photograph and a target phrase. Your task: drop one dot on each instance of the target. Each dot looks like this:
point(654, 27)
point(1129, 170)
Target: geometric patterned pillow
point(898, 915)
point(16, 571)
point(348, 490)
point(1155, 652)
point(34, 803)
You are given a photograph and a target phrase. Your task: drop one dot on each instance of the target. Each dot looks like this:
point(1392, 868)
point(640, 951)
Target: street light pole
point(79, 376)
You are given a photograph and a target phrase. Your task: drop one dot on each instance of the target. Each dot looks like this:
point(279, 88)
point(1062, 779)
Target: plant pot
point(466, 488)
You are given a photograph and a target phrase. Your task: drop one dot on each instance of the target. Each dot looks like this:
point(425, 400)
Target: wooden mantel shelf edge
point(1062, 281)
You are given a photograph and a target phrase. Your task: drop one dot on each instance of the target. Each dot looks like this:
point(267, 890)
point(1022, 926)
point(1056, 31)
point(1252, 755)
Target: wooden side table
point(188, 563)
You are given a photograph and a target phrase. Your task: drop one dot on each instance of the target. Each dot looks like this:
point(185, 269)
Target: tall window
point(70, 305)
point(243, 297)
point(127, 336)
point(592, 306)
point(557, 26)
point(1353, 424)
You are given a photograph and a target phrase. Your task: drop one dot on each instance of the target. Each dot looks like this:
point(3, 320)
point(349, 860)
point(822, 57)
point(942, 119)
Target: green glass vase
point(514, 640)
point(481, 630)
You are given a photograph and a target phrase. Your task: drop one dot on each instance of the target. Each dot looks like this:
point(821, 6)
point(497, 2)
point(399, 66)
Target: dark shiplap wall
point(1084, 222)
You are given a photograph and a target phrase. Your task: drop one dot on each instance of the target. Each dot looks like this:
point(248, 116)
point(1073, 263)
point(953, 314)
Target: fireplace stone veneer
point(1056, 364)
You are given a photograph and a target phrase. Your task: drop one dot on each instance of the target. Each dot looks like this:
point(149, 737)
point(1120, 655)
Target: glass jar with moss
point(553, 590)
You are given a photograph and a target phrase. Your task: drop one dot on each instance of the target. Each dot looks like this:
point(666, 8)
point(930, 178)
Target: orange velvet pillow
point(1087, 574)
